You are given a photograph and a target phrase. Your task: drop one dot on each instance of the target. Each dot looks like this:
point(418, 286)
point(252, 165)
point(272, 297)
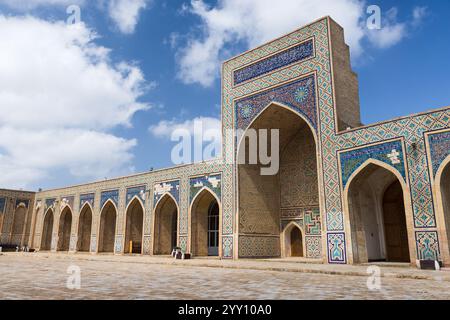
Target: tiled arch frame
point(407, 203)
point(410, 128)
point(124, 219)
point(312, 125)
point(217, 197)
point(118, 240)
point(155, 208)
point(438, 155)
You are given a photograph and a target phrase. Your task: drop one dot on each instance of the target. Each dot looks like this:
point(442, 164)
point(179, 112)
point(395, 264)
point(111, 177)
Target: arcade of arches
point(165, 226)
point(266, 203)
point(107, 231)
point(134, 226)
point(377, 217)
point(19, 222)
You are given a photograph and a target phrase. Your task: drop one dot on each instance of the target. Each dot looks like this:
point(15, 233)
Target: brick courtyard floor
point(44, 276)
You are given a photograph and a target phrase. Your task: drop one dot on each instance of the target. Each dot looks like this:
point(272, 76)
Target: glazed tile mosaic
point(439, 149)
point(279, 60)
point(87, 198)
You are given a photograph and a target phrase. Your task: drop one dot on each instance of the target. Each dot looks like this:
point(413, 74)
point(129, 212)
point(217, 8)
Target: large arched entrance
point(377, 216)
point(134, 225)
point(18, 225)
point(205, 228)
point(165, 227)
point(268, 201)
point(47, 231)
point(444, 187)
point(65, 227)
point(84, 229)
point(107, 232)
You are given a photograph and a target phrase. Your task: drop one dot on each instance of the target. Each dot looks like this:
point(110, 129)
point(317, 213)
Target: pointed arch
point(275, 104)
point(293, 247)
point(65, 229)
point(166, 217)
point(262, 199)
point(47, 230)
point(85, 221)
point(369, 215)
point(205, 234)
point(107, 227)
point(442, 196)
point(134, 226)
point(378, 163)
point(19, 224)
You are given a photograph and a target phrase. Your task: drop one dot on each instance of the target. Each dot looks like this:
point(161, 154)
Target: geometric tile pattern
point(118, 244)
point(390, 153)
point(439, 149)
point(227, 245)
point(172, 187)
point(87, 198)
point(336, 248)
point(428, 245)
point(313, 247)
point(67, 201)
point(298, 95)
point(138, 192)
point(259, 246)
point(109, 195)
point(49, 203)
point(312, 222)
point(25, 203)
point(212, 182)
point(297, 53)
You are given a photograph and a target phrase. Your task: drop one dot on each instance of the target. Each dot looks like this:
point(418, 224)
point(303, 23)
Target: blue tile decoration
point(299, 95)
point(428, 245)
point(336, 248)
point(139, 192)
point(2, 205)
point(390, 153)
point(25, 202)
point(87, 198)
point(49, 203)
point(109, 195)
point(68, 201)
point(298, 53)
point(172, 187)
point(227, 247)
point(439, 149)
point(213, 182)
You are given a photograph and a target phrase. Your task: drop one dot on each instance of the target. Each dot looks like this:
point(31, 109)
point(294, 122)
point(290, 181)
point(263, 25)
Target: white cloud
point(125, 13)
point(165, 128)
point(390, 33)
point(60, 97)
point(200, 139)
point(32, 4)
point(254, 22)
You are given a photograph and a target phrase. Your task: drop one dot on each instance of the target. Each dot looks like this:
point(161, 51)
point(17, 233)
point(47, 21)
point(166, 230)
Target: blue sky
point(402, 70)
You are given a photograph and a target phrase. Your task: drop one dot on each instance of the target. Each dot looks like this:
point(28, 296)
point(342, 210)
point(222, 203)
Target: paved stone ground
point(44, 276)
